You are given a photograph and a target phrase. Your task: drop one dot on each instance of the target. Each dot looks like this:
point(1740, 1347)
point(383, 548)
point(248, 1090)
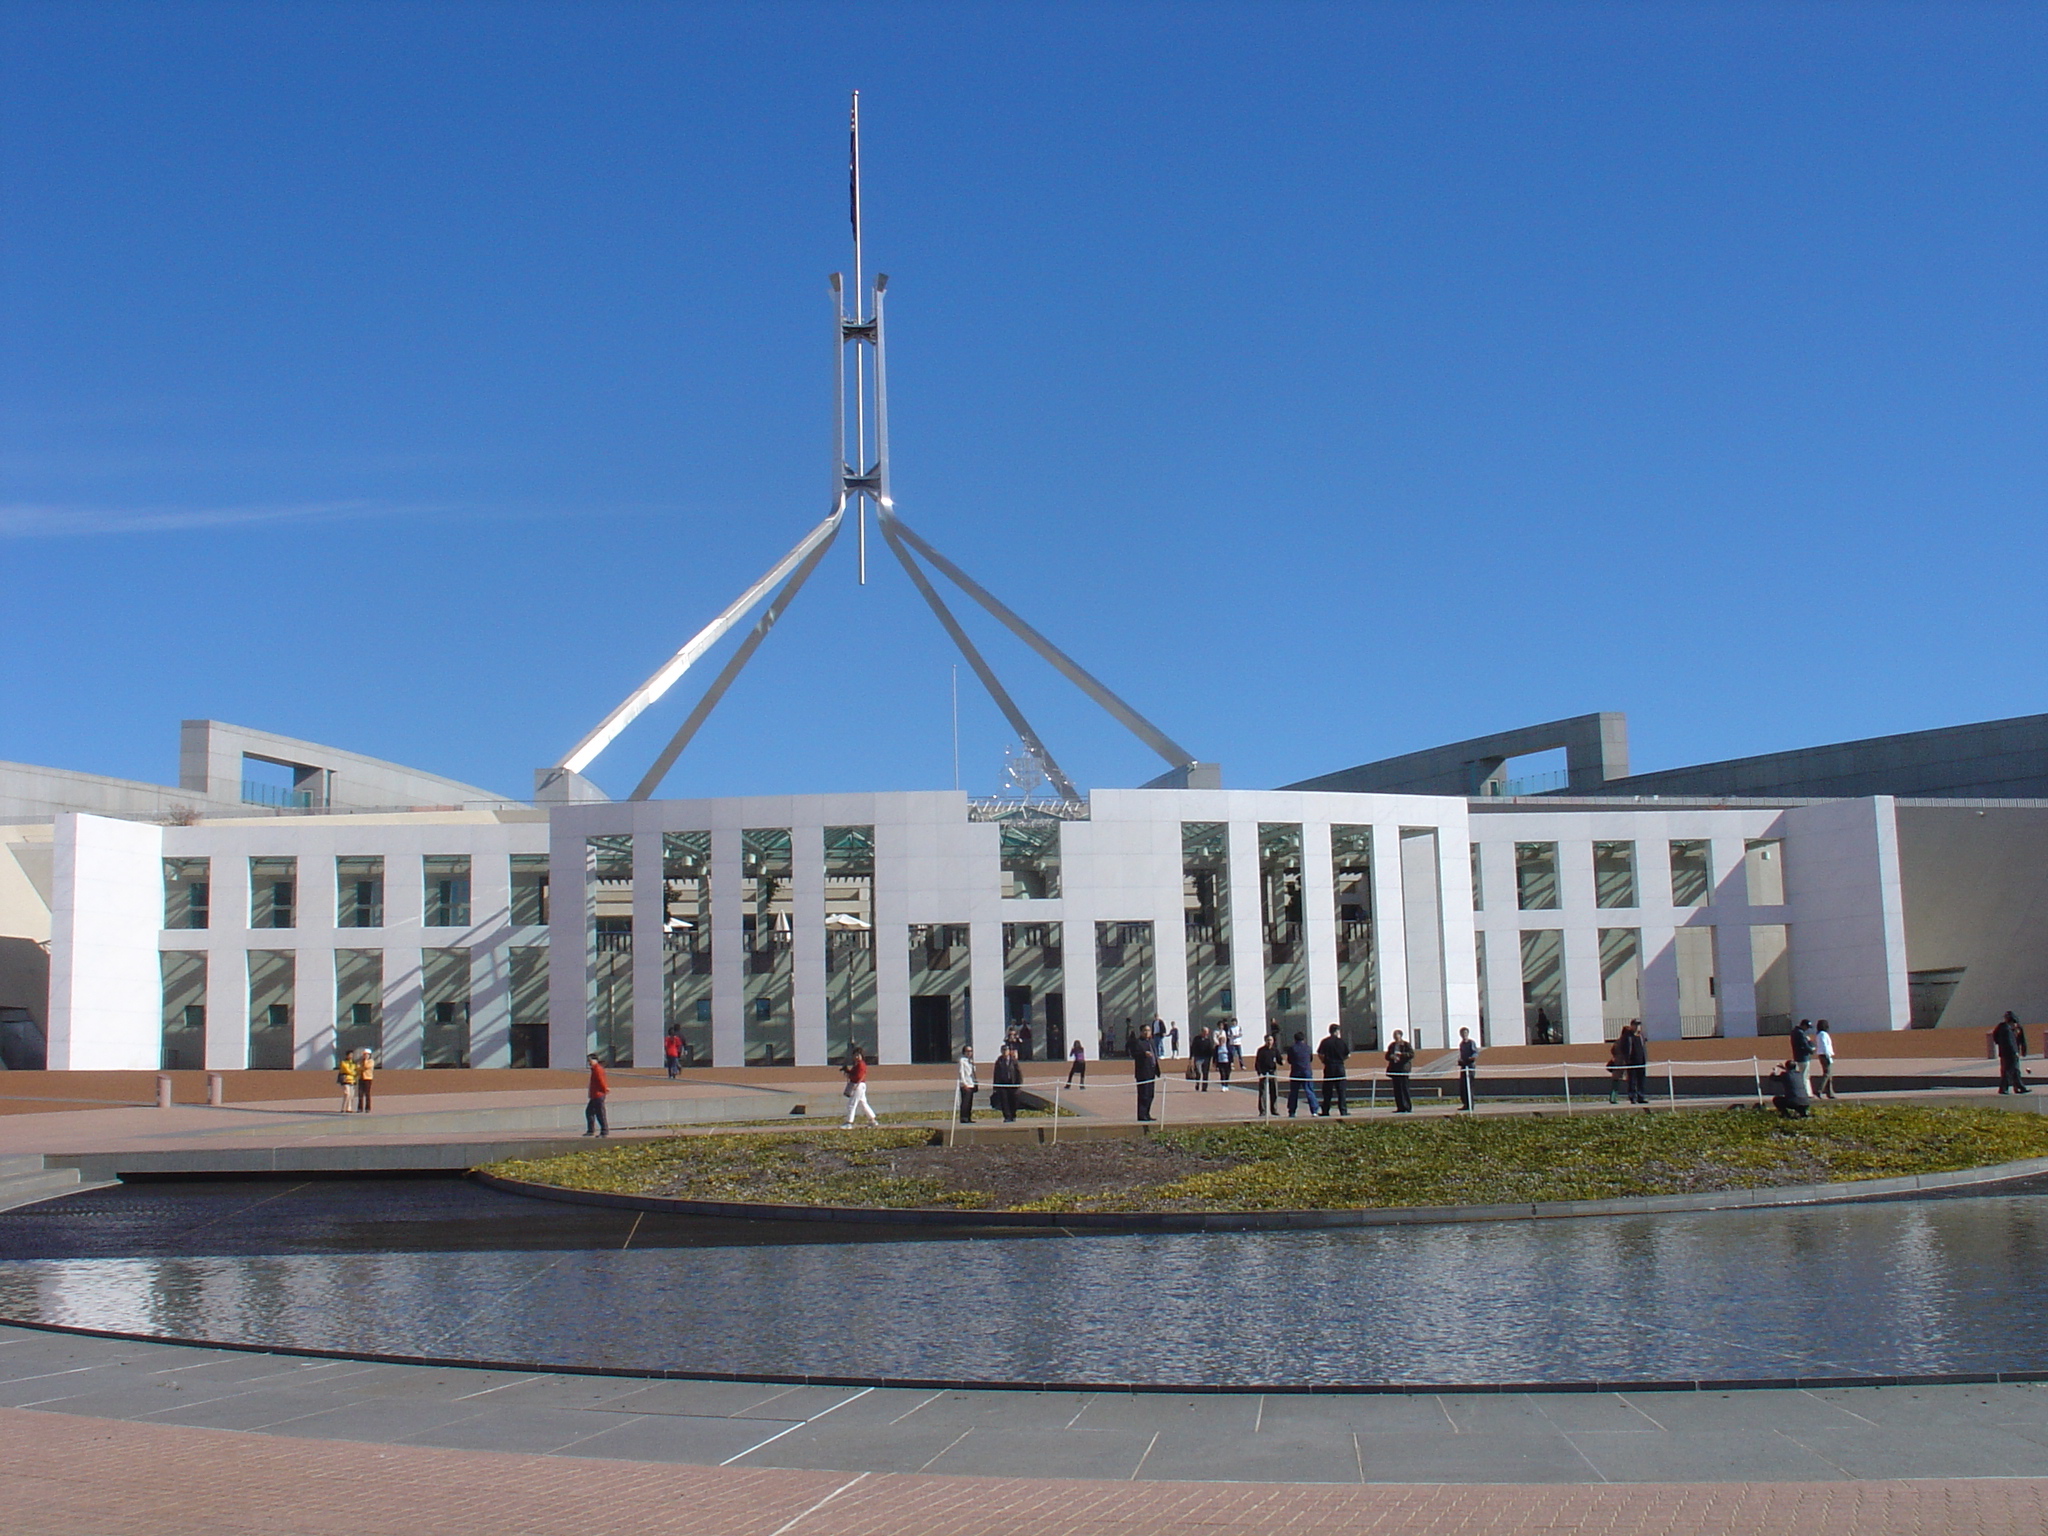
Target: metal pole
point(1057, 1085)
point(1757, 1071)
point(1567, 1087)
point(1671, 1082)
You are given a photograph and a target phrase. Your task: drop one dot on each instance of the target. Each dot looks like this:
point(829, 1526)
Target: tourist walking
point(345, 1074)
point(600, 1089)
point(2009, 1038)
point(1301, 1065)
point(1077, 1065)
point(1009, 1077)
point(1024, 1039)
point(1266, 1062)
point(1617, 1065)
point(1468, 1069)
point(1201, 1053)
point(968, 1085)
point(366, 1076)
point(1802, 1046)
point(1400, 1057)
point(1145, 1069)
point(1824, 1053)
point(1159, 1038)
point(856, 1074)
point(672, 1053)
point(1638, 1058)
point(1234, 1033)
point(1222, 1058)
point(1173, 1038)
point(1334, 1051)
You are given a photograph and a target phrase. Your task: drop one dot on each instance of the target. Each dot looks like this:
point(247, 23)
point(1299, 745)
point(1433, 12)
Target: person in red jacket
point(856, 1074)
point(594, 1121)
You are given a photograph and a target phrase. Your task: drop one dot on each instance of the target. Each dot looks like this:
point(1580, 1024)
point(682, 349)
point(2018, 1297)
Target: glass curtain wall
point(1614, 874)
point(1536, 877)
point(1358, 984)
point(184, 1036)
point(850, 1017)
point(1126, 986)
point(272, 884)
point(1280, 925)
point(359, 892)
point(446, 893)
point(444, 1033)
point(529, 1005)
point(1031, 857)
point(529, 890)
point(686, 943)
point(941, 991)
point(608, 876)
point(1543, 1019)
point(272, 978)
point(1621, 978)
point(359, 1001)
point(1034, 989)
point(767, 868)
point(1205, 900)
point(187, 892)
point(1692, 875)
point(1699, 990)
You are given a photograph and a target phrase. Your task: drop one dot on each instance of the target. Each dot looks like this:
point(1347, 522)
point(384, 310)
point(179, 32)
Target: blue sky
point(1332, 380)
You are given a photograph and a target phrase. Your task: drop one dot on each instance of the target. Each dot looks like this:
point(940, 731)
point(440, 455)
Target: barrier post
point(1671, 1082)
point(163, 1091)
point(1567, 1087)
point(216, 1089)
point(1057, 1085)
point(1756, 1070)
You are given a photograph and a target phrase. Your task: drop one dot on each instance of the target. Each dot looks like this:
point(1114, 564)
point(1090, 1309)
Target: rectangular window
point(187, 893)
point(1478, 883)
point(1358, 985)
point(1126, 995)
point(1035, 990)
point(1031, 856)
point(767, 869)
point(1543, 1020)
point(1770, 960)
point(359, 1001)
point(359, 892)
point(271, 985)
point(1763, 871)
point(686, 942)
point(1422, 926)
point(850, 1016)
point(1699, 995)
point(529, 890)
point(1692, 875)
point(608, 893)
point(271, 885)
point(529, 1005)
point(1621, 978)
point(444, 1033)
point(1280, 922)
point(184, 1036)
point(940, 991)
point(1536, 877)
point(1614, 874)
point(1205, 920)
point(447, 889)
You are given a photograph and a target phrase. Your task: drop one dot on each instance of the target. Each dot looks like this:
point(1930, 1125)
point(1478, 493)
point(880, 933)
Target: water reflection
point(1878, 1289)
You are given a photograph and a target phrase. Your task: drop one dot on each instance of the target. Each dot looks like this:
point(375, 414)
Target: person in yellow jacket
point(366, 1069)
point(345, 1074)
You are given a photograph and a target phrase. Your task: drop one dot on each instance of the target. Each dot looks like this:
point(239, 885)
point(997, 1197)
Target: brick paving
point(68, 1476)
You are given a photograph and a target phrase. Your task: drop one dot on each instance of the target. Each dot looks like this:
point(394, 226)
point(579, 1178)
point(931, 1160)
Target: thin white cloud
point(30, 521)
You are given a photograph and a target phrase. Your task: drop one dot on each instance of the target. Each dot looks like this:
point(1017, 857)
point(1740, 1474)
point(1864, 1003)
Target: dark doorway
point(931, 1029)
point(529, 1045)
point(1055, 1026)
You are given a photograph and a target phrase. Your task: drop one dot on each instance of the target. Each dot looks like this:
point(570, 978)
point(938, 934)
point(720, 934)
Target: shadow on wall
point(24, 1004)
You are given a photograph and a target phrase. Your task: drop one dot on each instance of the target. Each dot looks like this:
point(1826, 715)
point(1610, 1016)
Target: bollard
point(163, 1090)
point(216, 1089)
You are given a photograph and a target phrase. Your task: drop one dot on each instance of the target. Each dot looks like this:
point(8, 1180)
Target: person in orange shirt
point(594, 1121)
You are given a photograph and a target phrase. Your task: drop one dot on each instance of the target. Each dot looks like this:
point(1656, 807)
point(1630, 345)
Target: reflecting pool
point(449, 1269)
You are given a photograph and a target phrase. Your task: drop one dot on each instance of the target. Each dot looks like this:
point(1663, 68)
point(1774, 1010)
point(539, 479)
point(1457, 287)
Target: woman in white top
point(967, 1084)
point(1824, 1053)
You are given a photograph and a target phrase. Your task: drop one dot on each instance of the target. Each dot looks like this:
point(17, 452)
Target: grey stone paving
point(1565, 1437)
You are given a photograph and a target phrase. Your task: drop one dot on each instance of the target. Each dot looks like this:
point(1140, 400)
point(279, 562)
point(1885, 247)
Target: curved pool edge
point(976, 1384)
point(1283, 1221)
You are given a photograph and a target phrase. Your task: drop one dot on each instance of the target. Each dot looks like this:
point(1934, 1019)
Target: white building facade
point(781, 930)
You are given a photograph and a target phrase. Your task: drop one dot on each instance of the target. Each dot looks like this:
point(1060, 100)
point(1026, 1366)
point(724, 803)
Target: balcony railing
point(255, 793)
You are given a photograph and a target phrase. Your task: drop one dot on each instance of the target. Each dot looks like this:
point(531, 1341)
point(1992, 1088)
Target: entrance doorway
point(931, 1029)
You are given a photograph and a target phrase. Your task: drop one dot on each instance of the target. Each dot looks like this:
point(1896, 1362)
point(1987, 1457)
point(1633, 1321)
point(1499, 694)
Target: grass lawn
point(1438, 1161)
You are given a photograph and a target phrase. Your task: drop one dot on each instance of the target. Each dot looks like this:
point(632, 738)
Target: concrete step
point(10, 1166)
point(26, 1188)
